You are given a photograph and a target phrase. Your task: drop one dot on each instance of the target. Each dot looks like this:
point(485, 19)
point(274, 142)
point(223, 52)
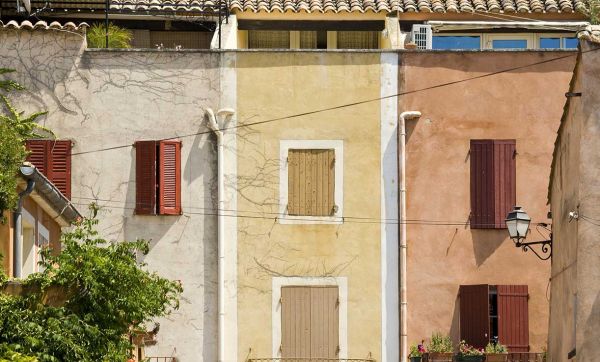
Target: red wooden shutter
point(505, 191)
point(37, 154)
point(482, 184)
point(493, 182)
point(169, 178)
point(474, 315)
point(513, 317)
point(53, 159)
point(145, 177)
point(60, 165)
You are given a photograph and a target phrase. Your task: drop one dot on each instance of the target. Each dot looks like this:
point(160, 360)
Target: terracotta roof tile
point(42, 25)
point(425, 6)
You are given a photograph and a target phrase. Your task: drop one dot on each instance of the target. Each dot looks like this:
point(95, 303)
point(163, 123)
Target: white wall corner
point(393, 33)
point(228, 88)
point(229, 31)
point(390, 311)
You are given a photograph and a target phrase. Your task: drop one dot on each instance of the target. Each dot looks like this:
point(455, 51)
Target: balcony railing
point(160, 359)
point(514, 357)
point(310, 359)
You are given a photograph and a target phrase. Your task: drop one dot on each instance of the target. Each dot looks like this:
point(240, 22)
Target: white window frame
point(338, 147)
point(480, 35)
point(489, 38)
point(340, 282)
point(561, 36)
point(45, 233)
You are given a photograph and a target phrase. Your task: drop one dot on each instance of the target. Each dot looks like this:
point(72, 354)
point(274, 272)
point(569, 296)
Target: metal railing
point(512, 357)
point(310, 359)
point(160, 359)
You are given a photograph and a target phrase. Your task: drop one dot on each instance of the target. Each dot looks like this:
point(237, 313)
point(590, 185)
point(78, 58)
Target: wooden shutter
point(311, 182)
point(53, 159)
point(505, 191)
point(309, 322)
point(513, 317)
point(145, 177)
point(493, 182)
point(169, 178)
point(474, 314)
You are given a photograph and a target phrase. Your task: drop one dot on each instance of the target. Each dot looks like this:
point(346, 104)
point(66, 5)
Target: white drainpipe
point(224, 114)
point(404, 116)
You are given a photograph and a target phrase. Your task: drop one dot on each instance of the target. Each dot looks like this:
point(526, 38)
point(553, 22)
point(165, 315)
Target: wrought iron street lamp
point(517, 223)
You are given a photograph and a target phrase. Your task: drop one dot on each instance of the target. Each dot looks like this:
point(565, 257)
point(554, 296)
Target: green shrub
point(440, 343)
point(117, 37)
point(495, 348)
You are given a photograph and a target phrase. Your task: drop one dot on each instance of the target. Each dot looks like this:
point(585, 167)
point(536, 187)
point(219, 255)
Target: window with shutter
point(490, 312)
point(493, 182)
point(158, 178)
point(311, 182)
point(53, 159)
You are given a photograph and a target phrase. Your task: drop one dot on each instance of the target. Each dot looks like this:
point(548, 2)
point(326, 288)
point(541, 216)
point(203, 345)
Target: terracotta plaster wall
point(272, 85)
point(525, 105)
point(105, 101)
point(565, 191)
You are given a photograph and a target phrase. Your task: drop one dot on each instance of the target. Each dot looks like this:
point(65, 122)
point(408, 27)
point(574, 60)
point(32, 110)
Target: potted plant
point(469, 353)
point(440, 348)
point(416, 352)
point(496, 352)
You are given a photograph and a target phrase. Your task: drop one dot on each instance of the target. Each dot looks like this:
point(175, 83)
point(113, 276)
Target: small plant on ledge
point(416, 352)
point(469, 353)
point(440, 348)
point(496, 352)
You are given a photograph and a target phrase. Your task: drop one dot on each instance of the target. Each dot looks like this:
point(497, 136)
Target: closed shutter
point(309, 322)
point(513, 317)
point(53, 159)
point(474, 315)
point(493, 182)
point(504, 180)
point(145, 177)
point(311, 182)
point(482, 184)
point(170, 178)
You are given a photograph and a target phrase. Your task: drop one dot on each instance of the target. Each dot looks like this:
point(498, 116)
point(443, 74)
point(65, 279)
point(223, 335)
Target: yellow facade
point(277, 84)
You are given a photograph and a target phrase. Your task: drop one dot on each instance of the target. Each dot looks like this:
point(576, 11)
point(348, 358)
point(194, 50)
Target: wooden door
point(309, 322)
point(513, 317)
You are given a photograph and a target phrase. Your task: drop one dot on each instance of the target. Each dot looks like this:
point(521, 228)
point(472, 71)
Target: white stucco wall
point(105, 101)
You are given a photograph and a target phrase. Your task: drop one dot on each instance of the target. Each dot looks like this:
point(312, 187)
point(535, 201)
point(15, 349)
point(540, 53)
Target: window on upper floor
point(493, 182)
point(53, 159)
point(312, 39)
point(446, 42)
point(550, 41)
point(311, 181)
point(158, 178)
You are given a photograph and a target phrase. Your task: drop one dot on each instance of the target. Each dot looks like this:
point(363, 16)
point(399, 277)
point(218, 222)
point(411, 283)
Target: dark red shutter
point(482, 184)
point(505, 191)
point(474, 315)
point(37, 154)
point(169, 178)
point(513, 317)
point(493, 182)
point(53, 159)
point(145, 177)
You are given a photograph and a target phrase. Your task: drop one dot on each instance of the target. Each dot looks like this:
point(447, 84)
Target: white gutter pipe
point(404, 116)
point(225, 114)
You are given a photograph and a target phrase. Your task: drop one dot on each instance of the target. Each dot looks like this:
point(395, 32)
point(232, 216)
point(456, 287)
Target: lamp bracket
point(545, 251)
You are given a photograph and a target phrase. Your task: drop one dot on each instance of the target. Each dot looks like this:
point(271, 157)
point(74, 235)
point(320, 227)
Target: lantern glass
point(517, 223)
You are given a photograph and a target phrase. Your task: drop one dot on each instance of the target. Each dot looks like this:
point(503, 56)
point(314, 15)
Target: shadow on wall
point(590, 351)
point(486, 242)
point(455, 326)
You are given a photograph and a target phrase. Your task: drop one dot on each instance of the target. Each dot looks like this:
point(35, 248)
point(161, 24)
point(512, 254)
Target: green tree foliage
point(10, 353)
point(117, 37)
point(107, 293)
point(594, 11)
point(15, 128)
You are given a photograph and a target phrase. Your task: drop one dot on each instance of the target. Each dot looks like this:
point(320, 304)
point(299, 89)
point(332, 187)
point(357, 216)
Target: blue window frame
point(509, 44)
point(549, 43)
point(456, 42)
point(570, 43)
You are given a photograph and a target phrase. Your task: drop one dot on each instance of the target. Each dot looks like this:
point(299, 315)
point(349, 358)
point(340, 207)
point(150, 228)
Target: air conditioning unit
point(421, 35)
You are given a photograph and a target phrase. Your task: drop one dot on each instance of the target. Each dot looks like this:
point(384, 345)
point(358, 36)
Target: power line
point(441, 85)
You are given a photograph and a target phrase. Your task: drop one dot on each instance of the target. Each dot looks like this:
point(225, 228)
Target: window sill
point(311, 220)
